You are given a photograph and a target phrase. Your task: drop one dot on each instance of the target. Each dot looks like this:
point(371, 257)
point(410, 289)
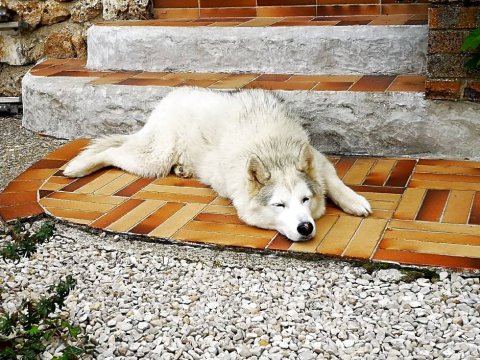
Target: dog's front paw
point(356, 205)
point(76, 168)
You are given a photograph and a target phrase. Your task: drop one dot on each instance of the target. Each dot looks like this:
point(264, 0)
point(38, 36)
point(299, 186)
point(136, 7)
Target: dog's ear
point(257, 172)
point(306, 160)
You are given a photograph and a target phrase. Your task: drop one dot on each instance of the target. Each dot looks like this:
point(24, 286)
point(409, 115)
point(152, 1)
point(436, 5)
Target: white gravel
point(160, 301)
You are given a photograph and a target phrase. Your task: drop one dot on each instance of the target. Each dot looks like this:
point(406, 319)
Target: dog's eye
point(280, 205)
point(305, 199)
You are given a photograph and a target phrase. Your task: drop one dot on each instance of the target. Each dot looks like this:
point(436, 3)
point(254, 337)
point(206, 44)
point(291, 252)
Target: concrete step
point(375, 115)
point(266, 45)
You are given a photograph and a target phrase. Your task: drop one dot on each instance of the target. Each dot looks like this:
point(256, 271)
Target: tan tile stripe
point(244, 230)
point(87, 198)
point(410, 204)
point(435, 227)
point(458, 207)
point(117, 184)
point(221, 239)
point(358, 171)
point(431, 248)
point(339, 236)
point(99, 182)
point(366, 239)
point(76, 205)
point(177, 221)
point(136, 215)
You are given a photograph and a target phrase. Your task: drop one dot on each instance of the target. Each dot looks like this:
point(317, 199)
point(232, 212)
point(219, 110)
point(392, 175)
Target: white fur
point(236, 142)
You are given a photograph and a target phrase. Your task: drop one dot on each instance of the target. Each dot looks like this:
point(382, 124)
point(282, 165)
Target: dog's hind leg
point(344, 197)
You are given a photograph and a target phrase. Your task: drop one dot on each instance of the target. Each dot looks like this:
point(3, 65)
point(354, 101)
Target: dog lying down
point(246, 145)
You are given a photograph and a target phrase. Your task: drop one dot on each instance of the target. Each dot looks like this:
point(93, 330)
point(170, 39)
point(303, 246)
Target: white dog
point(245, 144)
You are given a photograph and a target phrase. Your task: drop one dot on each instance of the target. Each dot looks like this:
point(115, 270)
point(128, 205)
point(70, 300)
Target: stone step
point(371, 114)
point(267, 45)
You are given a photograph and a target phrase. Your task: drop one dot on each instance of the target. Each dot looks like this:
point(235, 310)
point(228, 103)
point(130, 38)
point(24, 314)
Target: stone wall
point(450, 21)
point(54, 28)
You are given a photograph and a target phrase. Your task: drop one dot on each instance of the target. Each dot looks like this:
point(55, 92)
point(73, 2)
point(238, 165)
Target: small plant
point(27, 332)
point(472, 42)
point(24, 243)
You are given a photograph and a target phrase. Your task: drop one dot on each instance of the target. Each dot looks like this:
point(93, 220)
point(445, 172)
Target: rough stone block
point(11, 79)
point(446, 41)
point(29, 12)
point(443, 89)
point(86, 10)
point(127, 9)
point(454, 17)
point(54, 12)
point(446, 65)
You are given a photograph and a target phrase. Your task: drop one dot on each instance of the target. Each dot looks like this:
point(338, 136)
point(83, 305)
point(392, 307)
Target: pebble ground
point(141, 300)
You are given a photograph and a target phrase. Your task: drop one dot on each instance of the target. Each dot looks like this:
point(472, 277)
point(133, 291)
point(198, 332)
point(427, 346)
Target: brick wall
point(450, 21)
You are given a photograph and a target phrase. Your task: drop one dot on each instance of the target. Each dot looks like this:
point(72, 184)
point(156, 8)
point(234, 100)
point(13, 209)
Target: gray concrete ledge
point(379, 124)
point(296, 49)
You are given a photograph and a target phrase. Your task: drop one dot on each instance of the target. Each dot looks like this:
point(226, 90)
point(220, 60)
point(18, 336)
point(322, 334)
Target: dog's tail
point(94, 156)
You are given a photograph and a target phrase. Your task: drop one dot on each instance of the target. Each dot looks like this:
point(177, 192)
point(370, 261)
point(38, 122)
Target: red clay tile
point(475, 212)
point(378, 189)
point(343, 166)
point(48, 164)
point(173, 13)
point(20, 211)
point(175, 3)
point(285, 2)
point(413, 83)
point(134, 187)
point(68, 151)
point(280, 243)
point(332, 86)
point(226, 3)
point(392, 9)
point(278, 85)
point(267, 11)
point(353, 22)
point(228, 12)
point(116, 213)
point(273, 77)
point(219, 218)
point(401, 173)
point(78, 183)
point(406, 257)
point(20, 186)
point(342, 10)
point(44, 193)
point(433, 205)
point(11, 198)
point(373, 83)
point(157, 218)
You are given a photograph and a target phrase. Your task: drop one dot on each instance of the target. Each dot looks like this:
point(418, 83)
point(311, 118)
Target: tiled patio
point(426, 212)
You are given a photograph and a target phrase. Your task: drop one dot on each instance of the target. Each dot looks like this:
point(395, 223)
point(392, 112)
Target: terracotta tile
point(347, 2)
point(177, 181)
point(323, 225)
point(228, 12)
point(412, 83)
point(157, 218)
point(20, 211)
point(267, 11)
point(378, 189)
point(285, 2)
point(234, 81)
point(230, 229)
point(259, 22)
point(383, 205)
point(346, 17)
point(172, 13)
point(150, 75)
point(49, 71)
point(226, 3)
point(373, 83)
point(456, 170)
point(221, 239)
point(277, 85)
point(447, 177)
point(433, 205)
point(395, 198)
point(81, 73)
point(401, 173)
point(435, 227)
point(417, 22)
point(380, 172)
point(175, 222)
point(134, 187)
point(339, 236)
point(376, 213)
point(305, 23)
point(75, 205)
point(458, 207)
point(221, 209)
point(136, 215)
point(198, 83)
point(113, 78)
point(175, 3)
point(52, 186)
point(410, 204)
point(112, 216)
point(170, 197)
point(353, 22)
point(69, 150)
point(333, 86)
point(87, 198)
point(36, 174)
point(221, 201)
point(194, 76)
point(437, 248)
point(324, 78)
point(225, 23)
point(279, 243)
point(21, 186)
point(342, 10)
point(392, 9)
point(448, 163)
point(475, 214)
point(60, 180)
point(443, 185)
point(150, 82)
point(11, 198)
point(180, 190)
point(343, 166)
point(366, 239)
point(406, 257)
point(429, 238)
point(390, 19)
point(117, 184)
point(100, 181)
point(74, 215)
point(273, 77)
point(44, 193)
point(48, 164)
point(219, 218)
point(358, 171)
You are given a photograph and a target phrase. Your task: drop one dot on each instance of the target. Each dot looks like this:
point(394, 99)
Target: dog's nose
point(305, 228)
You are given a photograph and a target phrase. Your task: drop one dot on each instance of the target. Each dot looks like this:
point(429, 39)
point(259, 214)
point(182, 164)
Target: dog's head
point(284, 194)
